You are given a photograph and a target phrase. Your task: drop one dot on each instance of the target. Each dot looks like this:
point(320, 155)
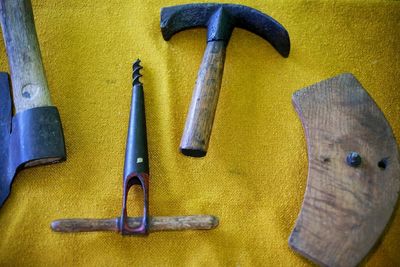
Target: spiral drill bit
point(136, 67)
point(136, 172)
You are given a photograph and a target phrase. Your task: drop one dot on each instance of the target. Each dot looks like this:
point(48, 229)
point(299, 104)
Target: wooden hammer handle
point(29, 82)
point(200, 118)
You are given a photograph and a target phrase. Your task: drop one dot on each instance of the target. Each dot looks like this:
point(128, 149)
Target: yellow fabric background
point(254, 175)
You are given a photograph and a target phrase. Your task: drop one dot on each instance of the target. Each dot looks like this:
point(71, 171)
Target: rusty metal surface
point(221, 19)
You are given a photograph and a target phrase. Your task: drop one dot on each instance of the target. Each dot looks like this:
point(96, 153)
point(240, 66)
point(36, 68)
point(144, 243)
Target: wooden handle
point(200, 118)
point(29, 83)
point(161, 223)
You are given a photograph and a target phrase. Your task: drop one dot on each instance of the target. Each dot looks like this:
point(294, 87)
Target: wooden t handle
point(200, 118)
point(29, 83)
point(156, 224)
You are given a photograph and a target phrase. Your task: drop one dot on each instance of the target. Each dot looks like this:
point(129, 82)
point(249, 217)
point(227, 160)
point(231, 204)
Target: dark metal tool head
point(136, 168)
point(31, 137)
point(221, 19)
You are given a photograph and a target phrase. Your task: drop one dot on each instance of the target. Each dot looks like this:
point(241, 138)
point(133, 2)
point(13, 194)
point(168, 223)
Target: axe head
point(31, 137)
point(221, 19)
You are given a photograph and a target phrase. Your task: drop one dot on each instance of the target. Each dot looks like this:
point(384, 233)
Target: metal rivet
point(353, 159)
point(383, 163)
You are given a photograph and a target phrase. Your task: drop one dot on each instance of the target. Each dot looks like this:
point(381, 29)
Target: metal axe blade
point(5, 129)
point(33, 136)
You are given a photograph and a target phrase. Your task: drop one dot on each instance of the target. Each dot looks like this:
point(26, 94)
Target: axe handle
point(200, 118)
point(29, 82)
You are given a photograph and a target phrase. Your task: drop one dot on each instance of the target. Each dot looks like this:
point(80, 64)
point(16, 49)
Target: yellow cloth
point(254, 175)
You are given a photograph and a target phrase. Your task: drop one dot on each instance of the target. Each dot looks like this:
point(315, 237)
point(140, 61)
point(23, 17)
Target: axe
point(33, 135)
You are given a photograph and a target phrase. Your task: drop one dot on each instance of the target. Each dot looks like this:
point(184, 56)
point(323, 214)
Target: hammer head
point(221, 19)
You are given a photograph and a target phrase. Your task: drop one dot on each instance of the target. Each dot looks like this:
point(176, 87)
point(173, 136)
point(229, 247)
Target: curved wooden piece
point(345, 209)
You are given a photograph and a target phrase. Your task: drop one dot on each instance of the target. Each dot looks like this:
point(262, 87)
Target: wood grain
point(200, 118)
point(29, 82)
point(345, 209)
point(159, 223)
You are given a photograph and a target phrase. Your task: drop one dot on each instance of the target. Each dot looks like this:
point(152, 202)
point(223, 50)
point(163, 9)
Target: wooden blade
point(345, 208)
point(159, 223)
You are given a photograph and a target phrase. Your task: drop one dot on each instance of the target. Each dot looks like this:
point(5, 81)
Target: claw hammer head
point(220, 20)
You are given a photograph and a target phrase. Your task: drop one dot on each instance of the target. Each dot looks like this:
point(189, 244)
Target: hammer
point(33, 136)
point(220, 20)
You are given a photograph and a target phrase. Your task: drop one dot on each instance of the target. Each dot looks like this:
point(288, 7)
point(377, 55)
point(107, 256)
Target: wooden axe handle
point(200, 118)
point(29, 82)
